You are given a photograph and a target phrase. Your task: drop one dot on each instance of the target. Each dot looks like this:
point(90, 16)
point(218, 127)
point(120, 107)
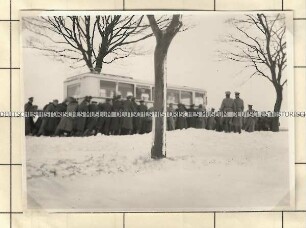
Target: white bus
point(102, 86)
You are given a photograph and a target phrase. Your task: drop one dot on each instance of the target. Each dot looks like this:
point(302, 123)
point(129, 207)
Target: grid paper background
point(11, 214)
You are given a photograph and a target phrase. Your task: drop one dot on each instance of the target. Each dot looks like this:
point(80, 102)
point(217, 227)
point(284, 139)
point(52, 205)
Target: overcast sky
point(192, 61)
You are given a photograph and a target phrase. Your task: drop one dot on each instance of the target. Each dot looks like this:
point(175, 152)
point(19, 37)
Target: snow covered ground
point(204, 170)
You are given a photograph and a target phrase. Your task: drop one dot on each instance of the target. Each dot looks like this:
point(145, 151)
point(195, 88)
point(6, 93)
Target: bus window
point(143, 93)
point(107, 88)
point(125, 89)
point(73, 90)
point(199, 98)
point(186, 97)
point(173, 96)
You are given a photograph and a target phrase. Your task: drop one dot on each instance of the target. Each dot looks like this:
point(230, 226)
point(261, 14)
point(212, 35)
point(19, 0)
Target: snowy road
point(204, 170)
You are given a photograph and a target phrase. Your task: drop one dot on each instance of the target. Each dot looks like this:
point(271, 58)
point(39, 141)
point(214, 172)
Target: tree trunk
point(160, 61)
point(99, 63)
point(98, 67)
point(277, 107)
point(101, 55)
point(163, 40)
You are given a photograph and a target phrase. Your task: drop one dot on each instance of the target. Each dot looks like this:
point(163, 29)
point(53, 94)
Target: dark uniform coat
point(200, 121)
point(211, 122)
point(220, 126)
point(116, 121)
point(250, 122)
point(191, 120)
point(92, 121)
point(61, 108)
point(141, 121)
point(135, 119)
point(149, 120)
point(81, 121)
point(29, 123)
point(127, 122)
point(104, 122)
point(49, 124)
point(170, 119)
point(181, 121)
point(67, 122)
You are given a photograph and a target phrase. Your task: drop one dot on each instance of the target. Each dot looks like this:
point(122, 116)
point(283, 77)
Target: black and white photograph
point(157, 111)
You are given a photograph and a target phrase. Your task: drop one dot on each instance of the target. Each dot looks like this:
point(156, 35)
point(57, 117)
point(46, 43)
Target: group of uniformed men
point(86, 126)
point(235, 124)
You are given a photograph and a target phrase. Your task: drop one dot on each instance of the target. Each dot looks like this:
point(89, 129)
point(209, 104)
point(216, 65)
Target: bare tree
point(163, 41)
point(261, 45)
point(87, 40)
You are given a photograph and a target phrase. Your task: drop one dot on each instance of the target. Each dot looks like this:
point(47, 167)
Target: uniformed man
point(141, 121)
point(239, 108)
point(61, 108)
point(219, 127)
point(149, 120)
point(115, 125)
point(28, 107)
point(49, 123)
point(227, 106)
point(127, 121)
point(67, 123)
point(211, 120)
point(181, 121)
point(29, 104)
point(191, 120)
point(250, 121)
point(104, 121)
point(81, 119)
point(135, 119)
point(170, 118)
point(201, 121)
point(91, 122)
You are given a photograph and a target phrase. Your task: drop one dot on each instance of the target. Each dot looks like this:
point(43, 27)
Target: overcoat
point(181, 121)
point(104, 121)
point(29, 124)
point(67, 122)
point(149, 120)
point(141, 121)
point(239, 107)
point(127, 122)
point(116, 121)
point(91, 122)
point(227, 105)
point(201, 122)
point(50, 122)
point(170, 119)
point(250, 123)
point(81, 120)
point(135, 119)
point(192, 120)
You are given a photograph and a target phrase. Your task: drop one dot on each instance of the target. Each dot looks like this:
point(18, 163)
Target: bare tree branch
point(91, 38)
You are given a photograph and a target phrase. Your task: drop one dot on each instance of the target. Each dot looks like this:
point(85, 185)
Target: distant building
point(102, 86)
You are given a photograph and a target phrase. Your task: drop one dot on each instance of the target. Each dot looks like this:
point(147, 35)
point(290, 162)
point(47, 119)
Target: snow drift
point(204, 170)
